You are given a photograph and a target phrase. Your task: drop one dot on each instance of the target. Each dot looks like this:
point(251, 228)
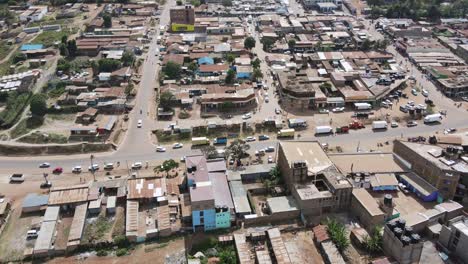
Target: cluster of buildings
point(438, 50)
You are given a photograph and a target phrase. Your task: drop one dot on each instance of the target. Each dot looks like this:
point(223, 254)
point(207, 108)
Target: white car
point(411, 103)
point(277, 111)
point(94, 167)
point(109, 166)
point(140, 123)
point(270, 159)
point(267, 99)
point(249, 139)
point(394, 124)
point(338, 109)
point(425, 93)
point(247, 116)
point(177, 145)
point(137, 165)
point(160, 149)
point(44, 165)
point(421, 106)
point(76, 169)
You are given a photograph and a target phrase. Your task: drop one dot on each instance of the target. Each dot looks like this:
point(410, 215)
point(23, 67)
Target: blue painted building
point(211, 200)
point(417, 185)
point(243, 72)
point(205, 61)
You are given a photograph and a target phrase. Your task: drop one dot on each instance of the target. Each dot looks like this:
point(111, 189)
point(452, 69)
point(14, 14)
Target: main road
point(137, 146)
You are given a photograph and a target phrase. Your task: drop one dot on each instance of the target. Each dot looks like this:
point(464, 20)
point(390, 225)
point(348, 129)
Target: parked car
point(263, 137)
point(57, 170)
point(450, 130)
point(270, 159)
point(270, 149)
point(323, 111)
point(411, 123)
point(177, 145)
point(403, 108)
point(46, 185)
point(44, 165)
point(247, 116)
point(93, 167)
point(465, 98)
point(76, 169)
point(414, 92)
point(425, 93)
point(394, 124)
point(32, 234)
point(249, 139)
point(108, 166)
point(137, 165)
point(160, 149)
point(338, 109)
point(267, 99)
point(277, 111)
point(140, 123)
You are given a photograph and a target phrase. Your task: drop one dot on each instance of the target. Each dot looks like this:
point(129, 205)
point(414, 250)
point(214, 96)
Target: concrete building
point(442, 168)
point(33, 13)
point(312, 179)
point(182, 19)
point(211, 200)
point(366, 209)
point(454, 237)
point(402, 243)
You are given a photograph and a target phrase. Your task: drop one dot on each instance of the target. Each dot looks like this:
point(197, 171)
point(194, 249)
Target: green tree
point(193, 66)
point(107, 20)
point(373, 243)
point(38, 105)
point(433, 13)
point(338, 235)
point(165, 100)
point(72, 48)
point(17, 57)
point(108, 65)
point(172, 70)
point(209, 151)
point(230, 76)
point(257, 74)
point(128, 58)
point(230, 58)
point(129, 89)
point(249, 43)
point(226, 106)
point(227, 2)
point(325, 86)
point(63, 50)
point(63, 65)
point(366, 45)
point(195, 3)
point(179, 2)
point(64, 39)
point(228, 257)
point(267, 44)
point(256, 63)
point(237, 149)
point(291, 43)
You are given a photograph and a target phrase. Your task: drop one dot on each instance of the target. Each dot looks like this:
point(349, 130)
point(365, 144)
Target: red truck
point(356, 125)
point(343, 129)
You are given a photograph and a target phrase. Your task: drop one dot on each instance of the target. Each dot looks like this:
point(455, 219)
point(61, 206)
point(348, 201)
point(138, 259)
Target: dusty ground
point(155, 253)
point(13, 239)
point(301, 247)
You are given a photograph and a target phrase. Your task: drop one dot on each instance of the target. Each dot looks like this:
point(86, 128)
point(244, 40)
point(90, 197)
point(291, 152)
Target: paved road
point(137, 146)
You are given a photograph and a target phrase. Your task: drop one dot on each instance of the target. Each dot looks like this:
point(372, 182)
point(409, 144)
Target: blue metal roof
point(205, 60)
point(27, 47)
point(34, 199)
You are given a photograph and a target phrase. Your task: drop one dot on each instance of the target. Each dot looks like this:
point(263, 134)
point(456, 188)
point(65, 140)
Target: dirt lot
point(13, 239)
point(301, 247)
point(154, 253)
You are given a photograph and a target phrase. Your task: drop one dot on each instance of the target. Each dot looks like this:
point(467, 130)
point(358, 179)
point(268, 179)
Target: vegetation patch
point(96, 231)
point(44, 138)
point(48, 38)
point(25, 126)
point(15, 104)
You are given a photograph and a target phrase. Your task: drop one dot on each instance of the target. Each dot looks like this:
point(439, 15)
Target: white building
point(33, 13)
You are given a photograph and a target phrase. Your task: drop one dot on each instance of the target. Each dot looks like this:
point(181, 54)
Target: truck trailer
point(199, 141)
point(362, 106)
point(286, 132)
point(323, 130)
point(379, 125)
point(432, 118)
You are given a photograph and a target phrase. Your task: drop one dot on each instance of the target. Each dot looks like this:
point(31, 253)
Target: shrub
point(121, 252)
point(101, 253)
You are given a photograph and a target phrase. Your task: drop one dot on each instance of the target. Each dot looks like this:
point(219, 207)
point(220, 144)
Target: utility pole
point(92, 166)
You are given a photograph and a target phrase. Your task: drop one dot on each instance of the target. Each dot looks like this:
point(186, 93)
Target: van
point(32, 234)
point(108, 166)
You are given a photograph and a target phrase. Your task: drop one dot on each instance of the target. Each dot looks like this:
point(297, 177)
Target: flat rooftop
point(367, 201)
point(282, 204)
point(309, 151)
point(367, 162)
